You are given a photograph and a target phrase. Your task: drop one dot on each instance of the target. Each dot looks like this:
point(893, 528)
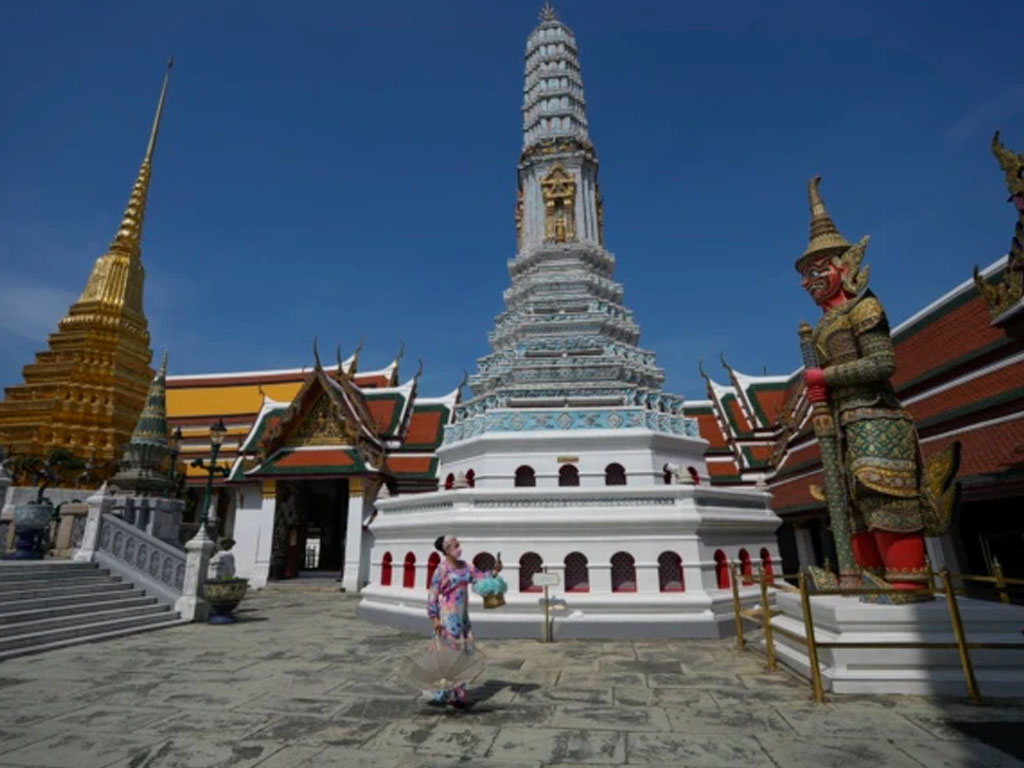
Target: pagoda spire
point(113, 282)
point(547, 12)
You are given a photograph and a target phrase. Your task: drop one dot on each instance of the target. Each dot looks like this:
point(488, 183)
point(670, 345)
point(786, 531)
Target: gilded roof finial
point(824, 235)
point(129, 235)
point(547, 13)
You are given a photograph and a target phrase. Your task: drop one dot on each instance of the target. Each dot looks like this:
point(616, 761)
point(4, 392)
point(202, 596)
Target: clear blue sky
point(347, 170)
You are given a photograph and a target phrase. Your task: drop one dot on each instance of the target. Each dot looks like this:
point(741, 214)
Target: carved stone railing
point(148, 562)
point(163, 570)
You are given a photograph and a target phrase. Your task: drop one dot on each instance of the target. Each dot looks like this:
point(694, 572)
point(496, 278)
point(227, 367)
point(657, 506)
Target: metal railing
point(764, 612)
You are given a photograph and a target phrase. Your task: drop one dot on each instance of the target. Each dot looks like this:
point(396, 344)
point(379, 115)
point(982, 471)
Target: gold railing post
point(961, 643)
point(812, 645)
point(997, 571)
point(766, 620)
point(736, 606)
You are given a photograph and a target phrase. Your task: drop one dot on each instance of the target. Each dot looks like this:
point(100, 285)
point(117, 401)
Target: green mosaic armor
point(878, 441)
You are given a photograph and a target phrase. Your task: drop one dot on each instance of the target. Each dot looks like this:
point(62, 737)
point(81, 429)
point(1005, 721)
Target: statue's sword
point(832, 471)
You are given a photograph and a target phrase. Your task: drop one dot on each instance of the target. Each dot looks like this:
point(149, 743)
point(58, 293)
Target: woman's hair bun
point(439, 543)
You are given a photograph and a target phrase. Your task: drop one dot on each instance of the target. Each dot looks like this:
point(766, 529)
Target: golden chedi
point(85, 392)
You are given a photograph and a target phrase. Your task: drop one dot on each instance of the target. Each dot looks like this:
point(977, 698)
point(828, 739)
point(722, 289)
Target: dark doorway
point(309, 527)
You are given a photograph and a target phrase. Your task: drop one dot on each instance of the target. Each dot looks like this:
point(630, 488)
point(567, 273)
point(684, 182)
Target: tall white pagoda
point(569, 458)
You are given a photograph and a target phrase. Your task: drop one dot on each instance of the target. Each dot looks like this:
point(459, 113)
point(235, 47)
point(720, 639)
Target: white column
point(98, 503)
point(191, 604)
point(254, 533)
point(352, 577)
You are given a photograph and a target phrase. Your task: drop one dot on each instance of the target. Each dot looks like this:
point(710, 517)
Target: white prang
point(569, 451)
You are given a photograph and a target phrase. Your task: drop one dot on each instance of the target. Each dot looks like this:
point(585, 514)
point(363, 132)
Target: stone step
point(32, 585)
point(173, 620)
point(21, 576)
point(81, 631)
point(13, 567)
point(126, 599)
point(61, 622)
point(104, 585)
point(119, 591)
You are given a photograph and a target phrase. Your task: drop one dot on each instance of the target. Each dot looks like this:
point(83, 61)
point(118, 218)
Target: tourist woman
point(448, 608)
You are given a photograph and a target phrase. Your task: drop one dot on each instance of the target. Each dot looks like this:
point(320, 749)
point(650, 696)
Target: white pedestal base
point(999, 673)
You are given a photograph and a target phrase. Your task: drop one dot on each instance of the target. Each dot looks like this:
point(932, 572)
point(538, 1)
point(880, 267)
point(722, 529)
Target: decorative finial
point(355, 359)
point(419, 370)
point(337, 355)
point(162, 373)
point(401, 351)
point(547, 13)
point(721, 358)
point(316, 356)
point(465, 380)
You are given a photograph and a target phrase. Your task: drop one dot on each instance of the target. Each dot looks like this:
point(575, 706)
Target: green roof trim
point(934, 373)
point(971, 408)
point(271, 467)
point(445, 412)
point(396, 414)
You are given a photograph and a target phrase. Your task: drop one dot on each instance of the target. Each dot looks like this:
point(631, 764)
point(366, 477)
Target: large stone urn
point(31, 527)
point(223, 596)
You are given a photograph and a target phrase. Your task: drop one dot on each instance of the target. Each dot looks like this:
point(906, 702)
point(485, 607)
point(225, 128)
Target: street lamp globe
point(217, 432)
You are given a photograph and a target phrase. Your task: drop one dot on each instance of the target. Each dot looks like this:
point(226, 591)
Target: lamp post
point(217, 432)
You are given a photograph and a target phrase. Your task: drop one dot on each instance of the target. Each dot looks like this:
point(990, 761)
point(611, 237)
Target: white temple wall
point(253, 534)
point(494, 457)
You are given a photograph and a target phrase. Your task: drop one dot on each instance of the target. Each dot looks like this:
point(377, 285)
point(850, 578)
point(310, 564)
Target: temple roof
point(258, 406)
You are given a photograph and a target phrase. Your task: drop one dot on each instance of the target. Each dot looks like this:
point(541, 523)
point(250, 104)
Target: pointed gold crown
point(825, 237)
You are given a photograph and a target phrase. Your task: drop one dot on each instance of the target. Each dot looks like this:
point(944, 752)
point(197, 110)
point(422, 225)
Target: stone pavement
point(302, 683)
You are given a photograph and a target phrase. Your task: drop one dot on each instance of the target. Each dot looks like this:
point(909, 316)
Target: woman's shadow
point(478, 696)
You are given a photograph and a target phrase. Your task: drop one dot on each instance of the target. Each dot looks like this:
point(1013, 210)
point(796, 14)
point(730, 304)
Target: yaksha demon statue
point(882, 498)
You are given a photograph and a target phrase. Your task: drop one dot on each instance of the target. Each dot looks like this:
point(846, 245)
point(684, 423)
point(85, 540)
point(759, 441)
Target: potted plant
point(32, 518)
point(222, 591)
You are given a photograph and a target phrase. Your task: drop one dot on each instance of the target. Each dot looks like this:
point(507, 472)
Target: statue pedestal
point(934, 672)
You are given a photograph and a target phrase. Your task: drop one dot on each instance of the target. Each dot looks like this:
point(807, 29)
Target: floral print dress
point(449, 603)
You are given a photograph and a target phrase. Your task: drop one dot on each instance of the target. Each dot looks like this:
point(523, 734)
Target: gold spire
point(117, 277)
point(129, 235)
point(547, 13)
point(824, 235)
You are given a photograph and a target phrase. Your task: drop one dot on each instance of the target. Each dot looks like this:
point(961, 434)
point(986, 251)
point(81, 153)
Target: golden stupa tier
point(86, 391)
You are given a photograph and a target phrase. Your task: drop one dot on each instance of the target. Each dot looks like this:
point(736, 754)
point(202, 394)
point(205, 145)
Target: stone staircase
point(47, 604)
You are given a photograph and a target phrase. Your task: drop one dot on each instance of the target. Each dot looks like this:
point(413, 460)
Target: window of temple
point(432, 562)
point(449, 482)
point(670, 572)
point(577, 577)
point(484, 561)
point(529, 564)
point(385, 570)
point(693, 475)
point(766, 564)
point(615, 474)
point(721, 569)
point(746, 567)
point(525, 477)
point(409, 571)
point(568, 475)
point(623, 572)
point(471, 478)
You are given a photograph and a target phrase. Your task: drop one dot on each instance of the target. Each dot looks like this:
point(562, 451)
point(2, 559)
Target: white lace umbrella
point(441, 666)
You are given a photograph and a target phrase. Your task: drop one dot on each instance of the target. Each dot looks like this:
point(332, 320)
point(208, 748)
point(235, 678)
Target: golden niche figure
point(559, 190)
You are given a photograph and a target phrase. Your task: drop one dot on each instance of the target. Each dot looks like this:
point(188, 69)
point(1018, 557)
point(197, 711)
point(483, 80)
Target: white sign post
point(546, 580)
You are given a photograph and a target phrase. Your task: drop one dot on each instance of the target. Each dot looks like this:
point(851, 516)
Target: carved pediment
point(320, 425)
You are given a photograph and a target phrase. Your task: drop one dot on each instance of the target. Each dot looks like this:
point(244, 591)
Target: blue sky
point(347, 170)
